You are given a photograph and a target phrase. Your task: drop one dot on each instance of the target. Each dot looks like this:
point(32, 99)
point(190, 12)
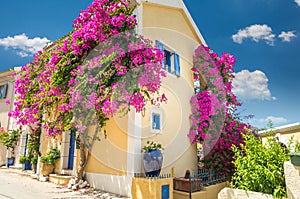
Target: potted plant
point(9, 140)
point(152, 159)
point(48, 161)
point(24, 160)
point(33, 162)
point(295, 158)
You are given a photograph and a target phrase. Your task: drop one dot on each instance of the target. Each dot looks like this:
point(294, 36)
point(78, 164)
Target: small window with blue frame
point(3, 91)
point(156, 120)
point(171, 62)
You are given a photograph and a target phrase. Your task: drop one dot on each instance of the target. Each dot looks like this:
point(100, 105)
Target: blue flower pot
point(10, 162)
point(27, 165)
point(152, 162)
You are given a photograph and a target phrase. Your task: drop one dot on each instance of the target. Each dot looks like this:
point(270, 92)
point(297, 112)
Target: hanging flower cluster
point(221, 155)
point(87, 72)
point(200, 117)
point(213, 123)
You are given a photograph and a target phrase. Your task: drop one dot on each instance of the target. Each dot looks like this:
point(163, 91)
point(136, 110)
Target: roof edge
point(178, 4)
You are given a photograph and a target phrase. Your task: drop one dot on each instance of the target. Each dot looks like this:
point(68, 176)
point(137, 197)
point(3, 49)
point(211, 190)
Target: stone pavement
point(18, 184)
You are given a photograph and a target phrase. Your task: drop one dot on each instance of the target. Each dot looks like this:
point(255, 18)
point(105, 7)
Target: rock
point(72, 181)
point(105, 196)
point(82, 185)
point(74, 187)
point(69, 186)
point(43, 178)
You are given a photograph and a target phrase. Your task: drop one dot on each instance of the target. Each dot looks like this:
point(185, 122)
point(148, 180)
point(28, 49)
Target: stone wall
point(292, 179)
point(228, 193)
point(210, 192)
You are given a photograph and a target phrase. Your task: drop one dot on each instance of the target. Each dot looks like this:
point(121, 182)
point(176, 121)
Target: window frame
point(156, 112)
point(173, 56)
point(3, 94)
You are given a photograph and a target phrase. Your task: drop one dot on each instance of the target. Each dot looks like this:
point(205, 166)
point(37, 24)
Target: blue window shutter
point(160, 46)
point(3, 91)
point(176, 64)
point(168, 60)
point(157, 121)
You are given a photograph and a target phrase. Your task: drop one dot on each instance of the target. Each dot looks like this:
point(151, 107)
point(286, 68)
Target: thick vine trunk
point(85, 148)
point(82, 163)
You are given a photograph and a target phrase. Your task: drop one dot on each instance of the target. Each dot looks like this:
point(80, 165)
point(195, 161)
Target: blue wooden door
point(25, 149)
point(71, 150)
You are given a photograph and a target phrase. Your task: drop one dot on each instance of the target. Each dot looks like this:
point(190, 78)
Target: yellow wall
point(165, 17)
point(4, 109)
point(170, 26)
point(143, 188)
point(109, 156)
point(295, 134)
point(48, 143)
point(210, 192)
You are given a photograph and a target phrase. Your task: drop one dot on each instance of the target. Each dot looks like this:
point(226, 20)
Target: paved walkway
point(15, 184)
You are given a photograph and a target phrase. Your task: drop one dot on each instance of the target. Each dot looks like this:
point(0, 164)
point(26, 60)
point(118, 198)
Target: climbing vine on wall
point(86, 73)
point(214, 124)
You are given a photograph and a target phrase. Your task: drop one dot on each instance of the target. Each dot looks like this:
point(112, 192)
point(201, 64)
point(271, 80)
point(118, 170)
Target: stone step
point(18, 167)
point(59, 179)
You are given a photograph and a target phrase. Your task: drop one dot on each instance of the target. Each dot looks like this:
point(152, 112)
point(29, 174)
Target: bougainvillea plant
point(99, 69)
point(214, 124)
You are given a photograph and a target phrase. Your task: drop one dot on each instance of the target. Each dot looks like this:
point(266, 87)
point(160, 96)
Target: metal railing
point(209, 177)
point(161, 176)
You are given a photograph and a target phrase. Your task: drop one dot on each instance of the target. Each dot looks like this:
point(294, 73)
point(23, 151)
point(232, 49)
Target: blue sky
point(264, 36)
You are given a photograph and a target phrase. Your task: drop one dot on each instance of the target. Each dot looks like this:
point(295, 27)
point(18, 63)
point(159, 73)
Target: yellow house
point(115, 159)
point(6, 92)
point(8, 123)
point(285, 133)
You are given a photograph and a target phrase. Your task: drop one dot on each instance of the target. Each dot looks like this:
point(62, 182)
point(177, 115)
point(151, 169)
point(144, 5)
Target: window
point(156, 120)
point(171, 63)
point(3, 91)
point(197, 87)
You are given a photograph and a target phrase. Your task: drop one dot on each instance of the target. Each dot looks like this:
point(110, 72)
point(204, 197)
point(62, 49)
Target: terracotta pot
point(187, 185)
point(47, 169)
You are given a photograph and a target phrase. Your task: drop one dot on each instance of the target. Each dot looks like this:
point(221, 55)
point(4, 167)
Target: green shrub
point(51, 156)
point(22, 159)
point(259, 167)
point(34, 160)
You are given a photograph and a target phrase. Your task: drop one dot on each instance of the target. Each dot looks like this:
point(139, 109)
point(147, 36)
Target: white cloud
point(275, 120)
point(251, 85)
point(23, 45)
point(255, 32)
point(287, 36)
point(264, 122)
point(298, 2)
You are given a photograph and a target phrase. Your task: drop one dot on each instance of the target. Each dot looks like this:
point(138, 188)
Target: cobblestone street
point(15, 184)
